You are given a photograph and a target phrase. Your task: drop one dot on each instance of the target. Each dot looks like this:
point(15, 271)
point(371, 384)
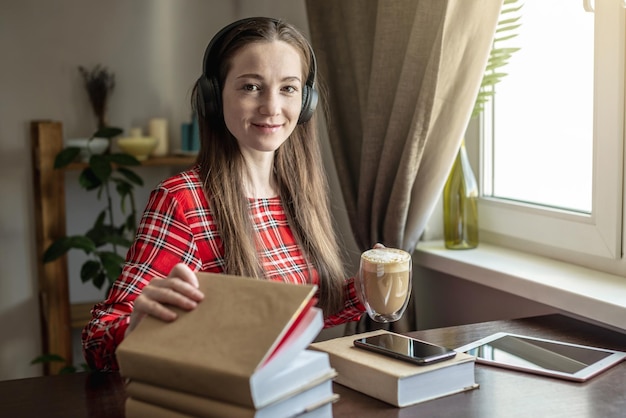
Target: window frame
point(592, 240)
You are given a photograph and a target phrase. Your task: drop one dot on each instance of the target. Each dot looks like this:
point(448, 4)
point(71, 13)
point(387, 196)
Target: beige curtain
point(402, 77)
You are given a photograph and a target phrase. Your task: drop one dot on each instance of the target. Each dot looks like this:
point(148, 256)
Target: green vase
point(460, 205)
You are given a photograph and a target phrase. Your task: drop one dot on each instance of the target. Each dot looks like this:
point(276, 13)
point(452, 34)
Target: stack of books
point(242, 352)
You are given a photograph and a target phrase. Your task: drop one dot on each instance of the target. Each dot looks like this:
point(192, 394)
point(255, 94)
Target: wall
point(445, 300)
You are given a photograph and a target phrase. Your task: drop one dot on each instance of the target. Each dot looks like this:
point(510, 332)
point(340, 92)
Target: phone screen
point(405, 348)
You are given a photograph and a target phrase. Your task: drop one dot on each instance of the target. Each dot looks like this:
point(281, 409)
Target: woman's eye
point(290, 89)
point(251, 87)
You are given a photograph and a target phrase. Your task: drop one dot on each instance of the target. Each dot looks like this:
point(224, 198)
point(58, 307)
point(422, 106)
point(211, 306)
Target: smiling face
point(262, 95)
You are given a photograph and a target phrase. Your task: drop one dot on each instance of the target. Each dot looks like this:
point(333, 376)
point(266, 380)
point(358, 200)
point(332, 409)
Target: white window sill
point(583, 292)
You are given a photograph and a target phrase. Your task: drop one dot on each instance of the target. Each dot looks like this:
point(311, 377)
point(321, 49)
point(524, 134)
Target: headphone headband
point(210, 103)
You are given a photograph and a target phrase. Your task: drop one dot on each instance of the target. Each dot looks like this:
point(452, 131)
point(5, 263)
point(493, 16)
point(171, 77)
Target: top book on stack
point(242, 333)
point(394, 381)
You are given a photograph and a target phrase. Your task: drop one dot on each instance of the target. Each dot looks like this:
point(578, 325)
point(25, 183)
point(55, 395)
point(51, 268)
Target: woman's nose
point(270, 104)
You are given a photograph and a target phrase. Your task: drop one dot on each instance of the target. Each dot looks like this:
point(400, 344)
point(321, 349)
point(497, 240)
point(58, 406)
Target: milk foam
point(385, 260)
point(386, 255)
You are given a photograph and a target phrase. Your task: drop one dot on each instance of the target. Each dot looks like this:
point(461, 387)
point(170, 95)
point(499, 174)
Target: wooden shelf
point(58, 315)
point(49, 202)
point(169, 161)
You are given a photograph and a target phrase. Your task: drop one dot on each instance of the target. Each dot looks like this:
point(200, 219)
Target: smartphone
point(405, 348)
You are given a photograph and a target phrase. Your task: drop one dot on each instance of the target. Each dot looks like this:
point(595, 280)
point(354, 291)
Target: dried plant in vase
point(99, 83)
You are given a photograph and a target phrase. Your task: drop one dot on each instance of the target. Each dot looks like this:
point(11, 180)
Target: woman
point(256, 203)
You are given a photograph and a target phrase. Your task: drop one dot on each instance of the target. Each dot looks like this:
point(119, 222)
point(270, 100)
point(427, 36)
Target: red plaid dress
point(177, 227)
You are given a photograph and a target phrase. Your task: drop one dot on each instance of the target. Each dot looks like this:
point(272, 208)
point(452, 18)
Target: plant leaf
point(56, 250)
point(131, 176)
point(506, 9)
point(48, 358)
point(99, 280)
point(110, 259)
point(118, 240)
point(63, 245)
point(100, 220)
point(67, 370)
point(101, 167)
point(508, 22)
point(107, 132)
point(507, 28)
point(101, 234)
point(112, 263)
point(131, 224)
point(81, 242)
point(88, 179)
point(123, 159)
point(66, 156)
point(89, 270)
point(124, 189)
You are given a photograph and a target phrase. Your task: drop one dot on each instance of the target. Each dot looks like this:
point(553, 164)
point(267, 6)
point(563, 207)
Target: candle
point(157, 128)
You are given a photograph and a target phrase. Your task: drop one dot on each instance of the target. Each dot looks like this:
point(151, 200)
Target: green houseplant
point(460, 194)
point(104, 241)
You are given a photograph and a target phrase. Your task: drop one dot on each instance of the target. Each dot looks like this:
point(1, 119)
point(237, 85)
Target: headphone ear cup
point(210, 101)
point(309, 103)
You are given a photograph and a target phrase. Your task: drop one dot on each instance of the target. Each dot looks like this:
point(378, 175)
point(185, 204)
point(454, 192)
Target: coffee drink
point(385, 280)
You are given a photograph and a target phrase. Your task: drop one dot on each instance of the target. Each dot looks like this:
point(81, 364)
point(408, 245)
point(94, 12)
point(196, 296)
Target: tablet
point(540, 356)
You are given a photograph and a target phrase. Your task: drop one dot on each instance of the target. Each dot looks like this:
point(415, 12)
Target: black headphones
point(210, 100)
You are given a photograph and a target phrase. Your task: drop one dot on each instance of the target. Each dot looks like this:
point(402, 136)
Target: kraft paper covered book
point(395, 381)
point(242, 333)
point(316, 393)
point(138, 409)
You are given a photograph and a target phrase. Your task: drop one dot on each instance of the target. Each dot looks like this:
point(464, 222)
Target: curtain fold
point(402, 77)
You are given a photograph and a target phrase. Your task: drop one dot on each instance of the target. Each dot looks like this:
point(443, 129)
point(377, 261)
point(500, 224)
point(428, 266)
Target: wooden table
point(502, 393)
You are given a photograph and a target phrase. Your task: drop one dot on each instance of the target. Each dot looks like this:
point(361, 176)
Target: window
point(552, 148)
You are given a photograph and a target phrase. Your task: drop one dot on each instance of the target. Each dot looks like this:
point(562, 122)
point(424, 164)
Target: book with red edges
point(243, 332)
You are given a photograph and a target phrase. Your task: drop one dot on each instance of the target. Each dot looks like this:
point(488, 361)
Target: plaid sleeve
point(163, 239)
point(353, 308)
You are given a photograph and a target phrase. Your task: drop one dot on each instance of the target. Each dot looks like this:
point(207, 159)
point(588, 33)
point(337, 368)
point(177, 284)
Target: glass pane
point(543, 109)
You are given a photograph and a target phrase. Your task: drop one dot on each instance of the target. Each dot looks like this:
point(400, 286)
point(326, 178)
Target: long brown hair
point(298, 170)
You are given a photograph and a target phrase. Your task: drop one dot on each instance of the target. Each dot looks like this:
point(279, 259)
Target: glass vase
point(460, 205)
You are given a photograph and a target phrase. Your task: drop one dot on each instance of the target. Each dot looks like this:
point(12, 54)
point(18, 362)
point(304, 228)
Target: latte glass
point(384, 283)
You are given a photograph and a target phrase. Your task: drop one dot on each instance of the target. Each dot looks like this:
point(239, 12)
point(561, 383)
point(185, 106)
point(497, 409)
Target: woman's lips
point(267, 127)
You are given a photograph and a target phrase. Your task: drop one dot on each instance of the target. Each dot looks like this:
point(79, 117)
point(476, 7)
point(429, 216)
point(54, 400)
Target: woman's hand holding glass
point(179, 288)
